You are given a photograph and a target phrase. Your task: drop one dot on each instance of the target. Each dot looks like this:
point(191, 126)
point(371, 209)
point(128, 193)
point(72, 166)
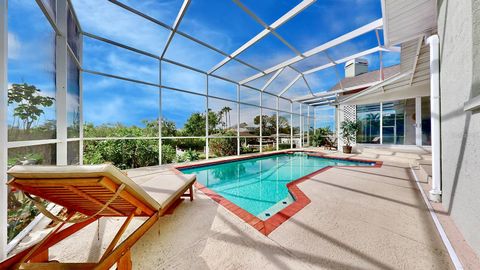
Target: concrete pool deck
point(358, 218)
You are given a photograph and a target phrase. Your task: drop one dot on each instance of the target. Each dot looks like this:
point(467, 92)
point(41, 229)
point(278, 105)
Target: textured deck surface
point(359, 218)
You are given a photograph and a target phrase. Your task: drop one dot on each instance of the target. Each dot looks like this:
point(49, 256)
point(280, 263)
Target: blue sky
point(220, 23)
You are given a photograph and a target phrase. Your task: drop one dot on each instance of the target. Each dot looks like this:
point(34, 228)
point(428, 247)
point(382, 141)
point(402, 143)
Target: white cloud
point(14, 46)
point(111, 21)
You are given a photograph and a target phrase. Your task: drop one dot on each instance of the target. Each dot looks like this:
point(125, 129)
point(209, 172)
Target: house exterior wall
point(460, 130)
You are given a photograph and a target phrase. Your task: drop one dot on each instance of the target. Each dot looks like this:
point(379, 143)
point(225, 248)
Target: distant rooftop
point(366, 79)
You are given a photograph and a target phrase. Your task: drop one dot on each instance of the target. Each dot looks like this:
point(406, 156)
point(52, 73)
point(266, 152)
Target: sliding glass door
point(393, 121)
point(369, 117)
point(387, 123)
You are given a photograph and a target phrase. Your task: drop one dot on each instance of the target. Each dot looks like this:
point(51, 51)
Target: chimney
point(356, 67)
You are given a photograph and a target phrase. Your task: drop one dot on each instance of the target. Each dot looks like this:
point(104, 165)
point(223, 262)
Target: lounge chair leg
point(42, 257)
point(191, 192)
point(125, 262)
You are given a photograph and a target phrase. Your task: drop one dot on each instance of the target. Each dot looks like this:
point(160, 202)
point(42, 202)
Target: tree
point(168, 128)
point(269, 124)
point(30, 103)
point(256, 120)
point(226, 111)
point(195, 125)
point(283, 125)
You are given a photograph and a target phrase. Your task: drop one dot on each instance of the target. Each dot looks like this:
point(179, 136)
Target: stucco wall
point(460, 130)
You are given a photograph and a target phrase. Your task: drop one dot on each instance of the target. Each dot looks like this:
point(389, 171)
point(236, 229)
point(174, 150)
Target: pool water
point(259, 185)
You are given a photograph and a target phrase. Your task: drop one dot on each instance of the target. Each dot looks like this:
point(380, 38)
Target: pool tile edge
point(266, 227)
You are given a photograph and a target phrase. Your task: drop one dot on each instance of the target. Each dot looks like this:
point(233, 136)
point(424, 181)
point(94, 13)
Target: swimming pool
point(259, 185)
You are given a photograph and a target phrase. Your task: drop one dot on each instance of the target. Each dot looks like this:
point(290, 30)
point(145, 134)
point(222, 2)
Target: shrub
point(168, 153)
point(19, 218)
point(124, 154)
point(191, 155)
point(269, 148)
point(223, 146)
point(190, 144)
point(319, 137)
point(246, 150)
point(282, 146)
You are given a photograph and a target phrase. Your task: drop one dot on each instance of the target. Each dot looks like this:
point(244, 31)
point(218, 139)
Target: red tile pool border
point(301, 200)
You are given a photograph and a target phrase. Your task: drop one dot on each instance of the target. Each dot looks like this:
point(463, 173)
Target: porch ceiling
point(407, 19)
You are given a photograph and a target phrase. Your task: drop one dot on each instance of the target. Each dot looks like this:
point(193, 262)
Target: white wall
point(460, 130)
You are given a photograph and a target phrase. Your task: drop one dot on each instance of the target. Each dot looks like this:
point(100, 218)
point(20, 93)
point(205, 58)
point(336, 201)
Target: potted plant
point(348, 132)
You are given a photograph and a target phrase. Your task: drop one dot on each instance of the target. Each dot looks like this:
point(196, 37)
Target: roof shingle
point(366, 78)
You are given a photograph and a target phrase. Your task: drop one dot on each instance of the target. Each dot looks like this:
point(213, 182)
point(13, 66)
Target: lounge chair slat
point(110, 185)
point(55, 182)
point(83, 206)
point(91, 199)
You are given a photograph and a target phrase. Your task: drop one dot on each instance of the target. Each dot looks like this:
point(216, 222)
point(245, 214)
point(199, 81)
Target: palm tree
point(221, 113)
point(225, 111)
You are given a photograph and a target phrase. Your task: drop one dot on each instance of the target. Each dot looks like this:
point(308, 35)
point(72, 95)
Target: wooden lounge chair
point(331, 143)
point(94, 191)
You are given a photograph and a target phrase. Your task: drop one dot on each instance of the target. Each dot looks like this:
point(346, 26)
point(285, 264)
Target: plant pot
point(347, 149)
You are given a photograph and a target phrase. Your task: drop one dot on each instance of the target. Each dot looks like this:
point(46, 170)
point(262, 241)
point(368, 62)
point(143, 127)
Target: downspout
point(3, 128)
point(435, 193)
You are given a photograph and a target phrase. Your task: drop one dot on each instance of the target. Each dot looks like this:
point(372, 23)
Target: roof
point(366, 79)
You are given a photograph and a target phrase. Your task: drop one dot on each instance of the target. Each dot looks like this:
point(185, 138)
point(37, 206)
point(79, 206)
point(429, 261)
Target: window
point(394, 121)
point(73, 34)
point(73, 99)
point(426, 122)
point(369, 117)
point(398, 124)
point(31, 73)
